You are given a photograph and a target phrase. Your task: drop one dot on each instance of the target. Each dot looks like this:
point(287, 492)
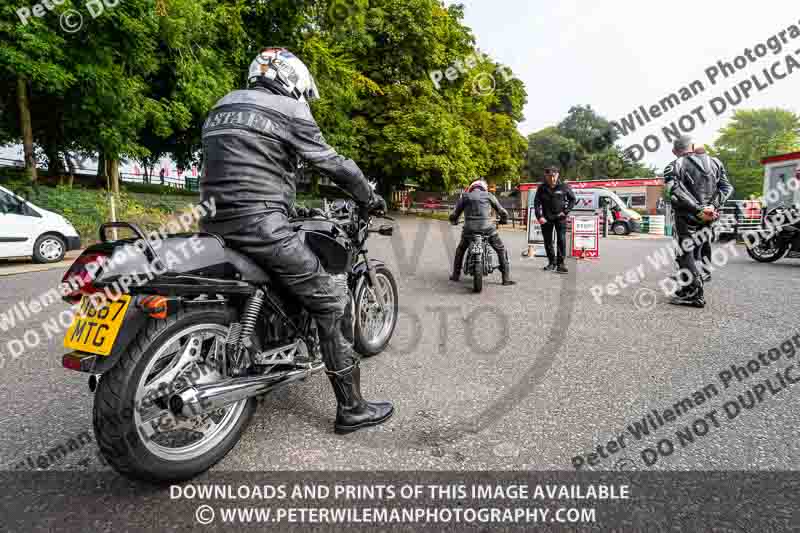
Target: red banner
point(611, 184)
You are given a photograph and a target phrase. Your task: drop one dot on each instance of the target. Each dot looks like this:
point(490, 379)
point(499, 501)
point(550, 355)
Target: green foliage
point(156, 189)
point(583, 147)
point(137, 85)
point(751, 136)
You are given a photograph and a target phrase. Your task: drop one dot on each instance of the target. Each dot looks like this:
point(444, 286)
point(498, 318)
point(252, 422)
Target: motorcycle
point(178, 358)
point(479, 261)
point(779, 238)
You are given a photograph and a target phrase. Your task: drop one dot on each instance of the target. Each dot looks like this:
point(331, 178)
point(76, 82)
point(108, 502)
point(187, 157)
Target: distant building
point(778, 170)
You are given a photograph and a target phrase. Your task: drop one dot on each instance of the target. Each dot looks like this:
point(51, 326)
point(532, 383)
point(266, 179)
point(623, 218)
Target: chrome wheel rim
point(375, 320)
point(51, 249)
point(766, 249)
point(187, 358)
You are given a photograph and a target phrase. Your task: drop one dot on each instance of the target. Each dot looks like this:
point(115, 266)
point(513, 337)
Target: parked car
point(29, 230)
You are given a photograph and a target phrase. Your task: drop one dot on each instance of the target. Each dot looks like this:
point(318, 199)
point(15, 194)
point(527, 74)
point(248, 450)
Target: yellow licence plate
point(94, 330)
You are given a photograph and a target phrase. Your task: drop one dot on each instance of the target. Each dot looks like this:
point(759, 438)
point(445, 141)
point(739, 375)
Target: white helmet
point(280, 69)
point(478, 184)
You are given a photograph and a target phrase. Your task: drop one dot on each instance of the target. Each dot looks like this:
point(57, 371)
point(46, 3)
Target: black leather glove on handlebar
point(376, 204)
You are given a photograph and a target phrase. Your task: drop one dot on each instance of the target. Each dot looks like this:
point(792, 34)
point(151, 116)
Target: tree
point(137, 82)
point(547, 148)
point(591, 131)
point(583, 146)
point(750, 136)
point(31, 58)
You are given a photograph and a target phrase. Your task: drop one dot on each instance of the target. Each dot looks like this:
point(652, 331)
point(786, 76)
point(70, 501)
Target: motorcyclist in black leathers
point(253, 142)
point(477, 204)
point(698, 186)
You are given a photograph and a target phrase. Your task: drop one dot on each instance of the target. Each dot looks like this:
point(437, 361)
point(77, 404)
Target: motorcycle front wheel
point(375, 323)
point(137, 433)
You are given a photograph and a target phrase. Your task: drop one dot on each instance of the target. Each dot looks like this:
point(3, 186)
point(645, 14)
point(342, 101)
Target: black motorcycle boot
point(341, 363)
point(353, 412)
point(457, 262)
point(690, 296)
point(505, 269)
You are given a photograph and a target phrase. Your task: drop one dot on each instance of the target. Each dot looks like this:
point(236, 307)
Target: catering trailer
point(779, 189)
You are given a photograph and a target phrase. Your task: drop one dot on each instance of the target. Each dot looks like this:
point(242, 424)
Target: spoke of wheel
point(151, 412)
point(191, 353)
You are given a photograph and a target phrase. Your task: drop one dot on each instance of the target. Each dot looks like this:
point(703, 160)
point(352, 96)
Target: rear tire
point(119, 437)
point(763, 255)
point(477, 274)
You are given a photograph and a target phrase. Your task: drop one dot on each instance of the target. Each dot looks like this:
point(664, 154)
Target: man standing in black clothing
point(552, 204)
point(698, 186)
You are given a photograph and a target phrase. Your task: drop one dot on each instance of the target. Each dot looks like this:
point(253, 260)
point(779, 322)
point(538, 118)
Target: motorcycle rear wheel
point(766, 252)
point(477, 273)
point(136, 433)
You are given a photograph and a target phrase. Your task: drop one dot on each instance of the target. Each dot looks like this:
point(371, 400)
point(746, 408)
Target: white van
point(28, 230)
point(624, 220)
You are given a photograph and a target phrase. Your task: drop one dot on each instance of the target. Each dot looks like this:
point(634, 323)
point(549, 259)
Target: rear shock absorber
point(239, 336)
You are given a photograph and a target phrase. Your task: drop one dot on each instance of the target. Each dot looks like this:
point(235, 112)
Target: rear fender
point(135, 321)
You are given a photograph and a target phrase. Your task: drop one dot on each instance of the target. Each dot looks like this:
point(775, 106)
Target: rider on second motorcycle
point(477, 204)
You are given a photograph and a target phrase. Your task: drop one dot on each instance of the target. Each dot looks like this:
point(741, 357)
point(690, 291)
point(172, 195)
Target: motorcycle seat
point(248, 268)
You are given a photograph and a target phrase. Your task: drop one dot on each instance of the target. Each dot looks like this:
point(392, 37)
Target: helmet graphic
point(478, 184)
point(280, 69)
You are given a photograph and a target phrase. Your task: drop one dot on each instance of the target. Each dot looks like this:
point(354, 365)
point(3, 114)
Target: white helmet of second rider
point(478, 184)
point(278, 67)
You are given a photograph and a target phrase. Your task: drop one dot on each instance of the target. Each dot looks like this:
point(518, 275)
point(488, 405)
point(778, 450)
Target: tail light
point(81, 275)
point(155, 306)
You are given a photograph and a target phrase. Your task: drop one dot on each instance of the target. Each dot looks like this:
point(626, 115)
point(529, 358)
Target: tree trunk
point(55, 165)
point(102, 175)
point(112, 171)
point(27, 129)
point(70, 167)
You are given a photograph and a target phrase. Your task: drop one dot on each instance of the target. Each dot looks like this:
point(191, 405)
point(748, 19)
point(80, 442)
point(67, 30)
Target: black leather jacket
point(253, 141)
point(695, 181)
point(477, 208)
point(550, 203)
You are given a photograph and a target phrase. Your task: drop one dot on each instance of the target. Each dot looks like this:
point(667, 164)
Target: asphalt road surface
point(517, 378)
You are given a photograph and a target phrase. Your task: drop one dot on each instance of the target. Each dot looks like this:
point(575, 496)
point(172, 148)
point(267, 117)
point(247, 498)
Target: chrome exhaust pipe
point(203, 399)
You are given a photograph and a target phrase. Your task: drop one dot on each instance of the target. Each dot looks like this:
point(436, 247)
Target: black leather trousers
point(270, 241)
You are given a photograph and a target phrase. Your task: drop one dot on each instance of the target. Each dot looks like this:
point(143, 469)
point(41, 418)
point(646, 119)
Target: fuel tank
point(329, 242)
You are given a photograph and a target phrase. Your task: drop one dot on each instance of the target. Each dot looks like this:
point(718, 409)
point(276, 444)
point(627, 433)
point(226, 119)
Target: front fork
point(373, 279)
